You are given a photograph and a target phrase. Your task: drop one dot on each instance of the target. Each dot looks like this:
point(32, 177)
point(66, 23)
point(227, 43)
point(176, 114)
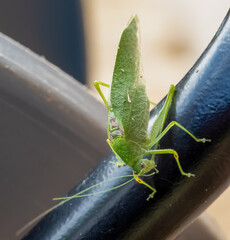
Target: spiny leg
point(97, 86)
point(175, 155)
point(203, 140)
point(120, 163)
point(136, 177)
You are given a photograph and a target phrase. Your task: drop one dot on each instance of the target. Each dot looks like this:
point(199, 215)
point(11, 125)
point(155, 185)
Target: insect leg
point(136, 177)
point(120, 163)
point(203, 140)
point(97, 86)
point(175, 155)
point(154, 104)
point(159, 122)
point(148, 175)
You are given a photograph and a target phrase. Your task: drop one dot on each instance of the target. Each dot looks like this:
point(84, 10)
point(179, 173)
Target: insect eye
point(143, 165)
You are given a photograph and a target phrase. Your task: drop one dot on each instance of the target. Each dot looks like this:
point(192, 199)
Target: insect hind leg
point(173, 123)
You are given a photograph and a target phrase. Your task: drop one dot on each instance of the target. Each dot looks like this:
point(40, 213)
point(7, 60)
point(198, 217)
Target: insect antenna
point(77, 195)
point(81, 194)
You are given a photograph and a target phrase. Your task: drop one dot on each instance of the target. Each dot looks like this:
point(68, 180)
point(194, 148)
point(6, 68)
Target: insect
point(128, 117)
point(128, 112)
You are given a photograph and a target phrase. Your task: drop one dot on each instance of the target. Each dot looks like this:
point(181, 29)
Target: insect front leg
point(136, 177)
point(120, 163)
point(175, 155)
point(97, 86)
point(203, 140)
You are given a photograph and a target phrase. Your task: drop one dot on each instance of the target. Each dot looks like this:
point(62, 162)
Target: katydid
point(128, 112)
point(128, 117)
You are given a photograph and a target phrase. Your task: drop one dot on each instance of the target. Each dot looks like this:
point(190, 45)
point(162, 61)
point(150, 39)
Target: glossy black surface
point(202, 105)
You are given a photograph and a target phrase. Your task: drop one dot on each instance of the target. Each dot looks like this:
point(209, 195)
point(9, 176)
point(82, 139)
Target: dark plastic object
point(51, 28)
point(202, 105)
point(49, 139)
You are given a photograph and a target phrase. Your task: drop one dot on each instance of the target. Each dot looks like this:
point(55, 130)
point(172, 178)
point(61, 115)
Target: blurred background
point(81, 37)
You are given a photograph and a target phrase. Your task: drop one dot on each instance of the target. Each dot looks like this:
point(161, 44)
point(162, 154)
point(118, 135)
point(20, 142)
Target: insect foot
point(189, 175)
point(151, 195)
point(204, 140)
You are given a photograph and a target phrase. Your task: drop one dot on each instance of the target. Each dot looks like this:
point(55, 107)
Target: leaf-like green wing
point(128, 97)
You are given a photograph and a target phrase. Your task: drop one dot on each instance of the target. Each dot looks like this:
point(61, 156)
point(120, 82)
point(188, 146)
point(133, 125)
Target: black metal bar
point(202, 105)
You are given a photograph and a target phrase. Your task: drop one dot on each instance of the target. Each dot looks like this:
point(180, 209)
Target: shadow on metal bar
point(201, 104)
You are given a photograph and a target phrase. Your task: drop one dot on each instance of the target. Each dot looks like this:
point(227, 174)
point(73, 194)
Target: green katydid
point(128, 117)
point(128, 112)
